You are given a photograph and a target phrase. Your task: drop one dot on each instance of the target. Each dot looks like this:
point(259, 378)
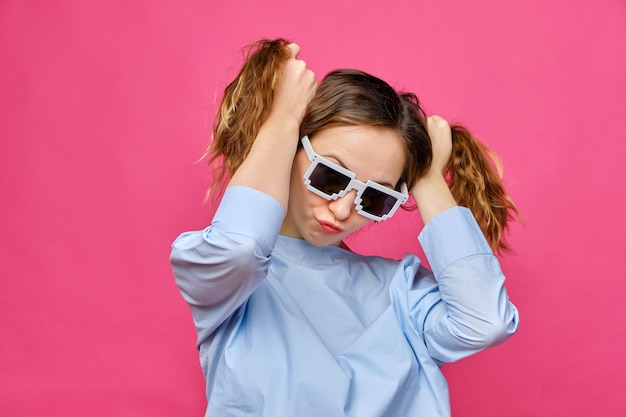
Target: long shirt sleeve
point(218, 268)
point(461, 307)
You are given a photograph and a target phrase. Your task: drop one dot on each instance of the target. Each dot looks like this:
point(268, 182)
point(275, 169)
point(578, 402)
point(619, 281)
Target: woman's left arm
point(468, 309)
point(473, 310)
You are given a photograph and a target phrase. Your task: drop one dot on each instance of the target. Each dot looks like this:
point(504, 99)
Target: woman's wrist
point(280, 125)
point(433, 196)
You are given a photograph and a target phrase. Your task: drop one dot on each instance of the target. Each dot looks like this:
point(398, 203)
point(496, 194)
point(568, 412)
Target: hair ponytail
point(244, 107)
point(475, 179)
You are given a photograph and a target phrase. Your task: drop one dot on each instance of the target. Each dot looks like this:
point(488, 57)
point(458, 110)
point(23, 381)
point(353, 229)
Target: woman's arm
point(218, 268)
point(431, 192)
point(268, 165)
point(471, 309)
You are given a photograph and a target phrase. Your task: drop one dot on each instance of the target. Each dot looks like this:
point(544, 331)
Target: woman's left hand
point(431, 191)
point(441, 140)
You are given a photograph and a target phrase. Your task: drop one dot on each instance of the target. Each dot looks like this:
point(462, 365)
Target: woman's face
point(376, 154)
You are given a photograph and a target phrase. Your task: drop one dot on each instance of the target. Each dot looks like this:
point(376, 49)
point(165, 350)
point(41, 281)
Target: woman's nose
point(343, 206)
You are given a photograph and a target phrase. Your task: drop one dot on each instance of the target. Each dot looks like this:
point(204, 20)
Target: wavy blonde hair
point(475, 179)
point(351, 97)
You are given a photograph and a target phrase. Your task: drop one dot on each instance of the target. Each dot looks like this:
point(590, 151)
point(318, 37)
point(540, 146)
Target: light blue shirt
point(288, 329)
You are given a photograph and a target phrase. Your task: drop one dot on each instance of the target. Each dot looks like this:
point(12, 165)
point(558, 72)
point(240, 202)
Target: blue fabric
point(289, 329)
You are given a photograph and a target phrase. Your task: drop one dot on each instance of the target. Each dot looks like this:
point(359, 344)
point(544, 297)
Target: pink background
point(106, 106)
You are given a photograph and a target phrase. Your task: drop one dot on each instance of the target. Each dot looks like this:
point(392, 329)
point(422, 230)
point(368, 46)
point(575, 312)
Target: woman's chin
point(322, 239)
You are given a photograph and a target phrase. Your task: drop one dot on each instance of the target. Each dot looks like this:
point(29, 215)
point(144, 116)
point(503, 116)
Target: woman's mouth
point(330, 228)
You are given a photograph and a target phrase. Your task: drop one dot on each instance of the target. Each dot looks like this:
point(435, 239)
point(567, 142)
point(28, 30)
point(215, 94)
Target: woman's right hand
point(295, 86)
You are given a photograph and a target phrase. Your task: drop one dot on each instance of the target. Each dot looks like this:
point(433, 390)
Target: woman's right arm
point(218, 268)
point(268, 165)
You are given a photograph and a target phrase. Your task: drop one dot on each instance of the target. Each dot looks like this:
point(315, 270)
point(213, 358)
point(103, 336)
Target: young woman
point(290, 321)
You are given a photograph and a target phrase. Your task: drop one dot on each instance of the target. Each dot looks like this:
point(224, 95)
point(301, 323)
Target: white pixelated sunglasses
point(332, 181)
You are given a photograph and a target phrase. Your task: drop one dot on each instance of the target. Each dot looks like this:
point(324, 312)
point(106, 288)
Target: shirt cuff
point(450, 236)
point(250, 213)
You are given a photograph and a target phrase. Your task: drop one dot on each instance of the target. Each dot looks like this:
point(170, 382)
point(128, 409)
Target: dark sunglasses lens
point(327, 180)
point(377, 202)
